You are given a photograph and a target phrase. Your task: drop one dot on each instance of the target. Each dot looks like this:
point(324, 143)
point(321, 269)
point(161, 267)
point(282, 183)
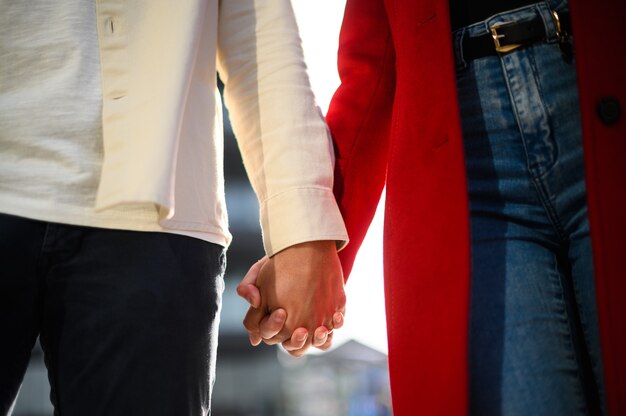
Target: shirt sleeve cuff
point(300, 215)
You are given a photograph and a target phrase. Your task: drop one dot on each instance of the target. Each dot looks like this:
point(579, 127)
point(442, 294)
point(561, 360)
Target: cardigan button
point(609, 110)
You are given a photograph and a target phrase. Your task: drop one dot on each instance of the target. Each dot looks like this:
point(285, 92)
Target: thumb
point(250, 293)
point(247, 287)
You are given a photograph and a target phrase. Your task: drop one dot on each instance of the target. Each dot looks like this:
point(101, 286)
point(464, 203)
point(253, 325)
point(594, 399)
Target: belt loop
point(458, 49)
point(545, 11)
point(557, 5)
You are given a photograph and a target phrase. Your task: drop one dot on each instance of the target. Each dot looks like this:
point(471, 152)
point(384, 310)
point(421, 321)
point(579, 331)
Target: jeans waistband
point(542, 10)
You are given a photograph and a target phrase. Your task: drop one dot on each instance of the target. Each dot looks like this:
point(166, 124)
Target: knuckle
point(342, 300)
point(250, 327)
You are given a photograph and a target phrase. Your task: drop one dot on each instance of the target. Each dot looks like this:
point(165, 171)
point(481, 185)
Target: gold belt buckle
point(497, 36)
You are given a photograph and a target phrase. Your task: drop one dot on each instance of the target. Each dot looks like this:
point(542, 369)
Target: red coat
point(395, 115)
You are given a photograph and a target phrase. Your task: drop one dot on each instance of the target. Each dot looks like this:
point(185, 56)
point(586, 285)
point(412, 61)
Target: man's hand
point(300, 291)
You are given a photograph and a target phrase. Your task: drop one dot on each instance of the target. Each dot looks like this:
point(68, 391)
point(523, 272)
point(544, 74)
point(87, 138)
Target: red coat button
point(609, 110)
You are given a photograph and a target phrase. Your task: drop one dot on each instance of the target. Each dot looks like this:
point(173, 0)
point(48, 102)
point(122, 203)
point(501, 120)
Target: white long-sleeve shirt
point(159, 165)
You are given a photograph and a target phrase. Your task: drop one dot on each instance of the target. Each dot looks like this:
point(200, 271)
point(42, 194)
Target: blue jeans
point(127, 320)
point(534, 343)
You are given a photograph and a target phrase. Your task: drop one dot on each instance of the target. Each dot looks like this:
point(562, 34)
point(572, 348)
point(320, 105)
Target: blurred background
point(349, 380)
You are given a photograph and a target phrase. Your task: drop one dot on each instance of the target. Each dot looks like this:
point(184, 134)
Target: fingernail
point(278, 317)
point(249, 299)
point(338, 319)
point(301, 337)
point(322, 335)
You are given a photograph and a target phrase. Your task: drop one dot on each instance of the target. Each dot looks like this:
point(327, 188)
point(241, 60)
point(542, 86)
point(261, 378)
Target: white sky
point(319, 22)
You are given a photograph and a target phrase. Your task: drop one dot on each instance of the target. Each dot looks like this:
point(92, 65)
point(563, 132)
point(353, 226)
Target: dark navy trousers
point(127, 320)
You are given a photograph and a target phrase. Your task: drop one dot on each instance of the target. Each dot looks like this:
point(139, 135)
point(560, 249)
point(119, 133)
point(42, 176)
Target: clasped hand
point(296, 293)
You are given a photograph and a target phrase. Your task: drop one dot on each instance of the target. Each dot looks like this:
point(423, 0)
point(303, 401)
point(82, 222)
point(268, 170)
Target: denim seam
point(543, 169)
point(568, 337)
point(516, 114)
point(540, 185)
point(550, 209)
point(584, 325)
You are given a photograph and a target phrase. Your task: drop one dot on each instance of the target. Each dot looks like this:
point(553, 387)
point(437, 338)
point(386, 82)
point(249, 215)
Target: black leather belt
point(506, 37)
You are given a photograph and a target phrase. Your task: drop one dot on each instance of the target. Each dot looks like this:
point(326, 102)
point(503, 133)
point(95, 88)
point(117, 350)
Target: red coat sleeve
point(359, 117)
